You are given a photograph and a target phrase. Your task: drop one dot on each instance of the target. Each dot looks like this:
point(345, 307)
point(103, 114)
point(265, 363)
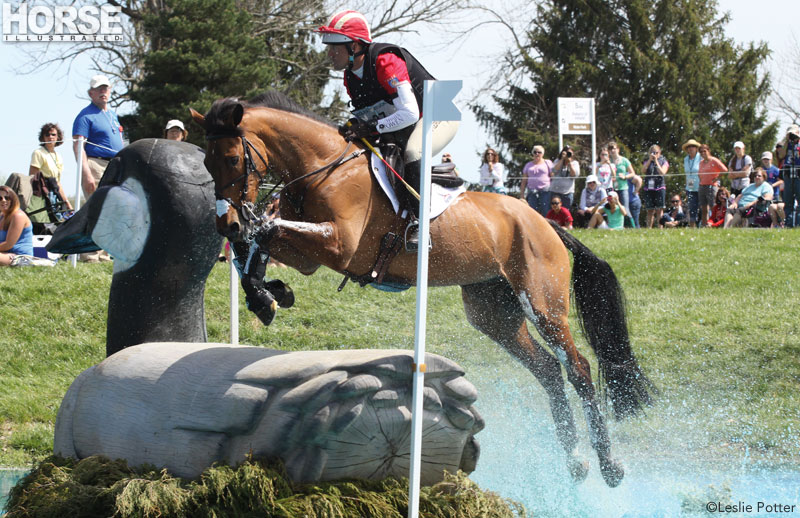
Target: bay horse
point(511, 263)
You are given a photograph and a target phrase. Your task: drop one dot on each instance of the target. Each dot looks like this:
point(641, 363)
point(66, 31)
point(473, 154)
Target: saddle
point(445, 175)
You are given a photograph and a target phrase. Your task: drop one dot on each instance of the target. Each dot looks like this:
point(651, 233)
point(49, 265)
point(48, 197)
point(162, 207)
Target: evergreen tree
point(661, 72)
point(203, 50)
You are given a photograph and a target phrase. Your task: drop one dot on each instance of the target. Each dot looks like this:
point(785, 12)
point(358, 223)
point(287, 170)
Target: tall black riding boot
point(410, 203)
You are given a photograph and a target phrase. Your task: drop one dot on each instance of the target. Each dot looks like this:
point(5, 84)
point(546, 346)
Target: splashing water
point(673, 465)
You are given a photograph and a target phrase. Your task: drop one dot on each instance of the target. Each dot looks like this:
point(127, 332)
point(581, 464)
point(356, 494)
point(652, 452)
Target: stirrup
point(411, 236)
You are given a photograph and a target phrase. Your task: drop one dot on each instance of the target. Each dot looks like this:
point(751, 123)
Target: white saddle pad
point(441, 197)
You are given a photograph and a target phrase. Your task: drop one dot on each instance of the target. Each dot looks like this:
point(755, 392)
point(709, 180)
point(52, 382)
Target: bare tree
point(281, 20)
point(785, 89)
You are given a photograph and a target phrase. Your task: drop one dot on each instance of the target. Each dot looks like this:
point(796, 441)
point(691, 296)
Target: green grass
point(713, 317)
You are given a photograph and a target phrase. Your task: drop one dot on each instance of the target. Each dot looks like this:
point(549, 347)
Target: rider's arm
point(393, 76)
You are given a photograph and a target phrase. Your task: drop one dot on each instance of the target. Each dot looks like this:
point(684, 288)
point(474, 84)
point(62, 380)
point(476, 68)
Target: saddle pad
point(441, 197)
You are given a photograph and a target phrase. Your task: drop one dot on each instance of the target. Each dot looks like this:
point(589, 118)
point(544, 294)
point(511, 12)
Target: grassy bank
point(713, 317)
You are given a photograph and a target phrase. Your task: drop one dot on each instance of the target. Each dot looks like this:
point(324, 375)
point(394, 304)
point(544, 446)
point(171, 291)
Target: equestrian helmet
point(344, 27)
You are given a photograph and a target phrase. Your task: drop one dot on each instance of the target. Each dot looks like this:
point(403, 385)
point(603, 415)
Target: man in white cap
point(100, 128)
point(790, 172)
point(174, 130)
point(102, 133)
point(740, 167)
point(592, 195)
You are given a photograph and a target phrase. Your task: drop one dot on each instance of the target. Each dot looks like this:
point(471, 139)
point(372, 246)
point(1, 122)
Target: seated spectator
point(590, 197)
point(613, 211)
point(16, 229)
point(754, 198)
point(175, 131)
point(559, 214)
point(720, 208)
point(675, 216)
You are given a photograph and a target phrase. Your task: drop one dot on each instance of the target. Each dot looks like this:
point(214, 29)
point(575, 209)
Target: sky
point(57, 94)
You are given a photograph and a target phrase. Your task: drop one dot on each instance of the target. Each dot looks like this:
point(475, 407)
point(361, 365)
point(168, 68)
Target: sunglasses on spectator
point(4, 198)
point(675, 201)
point(555, 203)
point(537, 152)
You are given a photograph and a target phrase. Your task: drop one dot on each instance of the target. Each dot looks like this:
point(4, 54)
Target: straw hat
point(691, 142)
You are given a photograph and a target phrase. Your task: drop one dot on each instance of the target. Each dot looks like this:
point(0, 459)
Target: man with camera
point(562, 176)
point(790, 172)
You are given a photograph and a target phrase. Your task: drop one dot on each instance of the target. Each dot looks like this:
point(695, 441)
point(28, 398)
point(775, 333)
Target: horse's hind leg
point(551, 321)
point(493, 309)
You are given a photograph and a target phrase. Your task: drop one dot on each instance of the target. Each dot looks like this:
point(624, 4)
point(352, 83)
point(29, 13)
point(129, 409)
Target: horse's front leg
point(262, 297)
point(320, 243)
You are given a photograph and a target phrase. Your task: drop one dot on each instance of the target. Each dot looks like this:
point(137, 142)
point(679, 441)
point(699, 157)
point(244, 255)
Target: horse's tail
point(600, 305)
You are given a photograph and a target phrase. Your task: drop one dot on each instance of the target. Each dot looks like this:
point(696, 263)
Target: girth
point(391, 244)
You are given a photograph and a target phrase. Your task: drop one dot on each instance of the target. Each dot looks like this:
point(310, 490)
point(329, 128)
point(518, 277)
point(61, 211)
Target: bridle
point(249, 165)
point(247, 210)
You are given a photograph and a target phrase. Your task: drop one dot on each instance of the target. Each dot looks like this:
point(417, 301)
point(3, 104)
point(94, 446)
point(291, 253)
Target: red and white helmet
point(345, 27)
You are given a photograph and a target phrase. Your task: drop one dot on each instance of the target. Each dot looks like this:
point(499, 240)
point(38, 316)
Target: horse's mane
point(221, 110)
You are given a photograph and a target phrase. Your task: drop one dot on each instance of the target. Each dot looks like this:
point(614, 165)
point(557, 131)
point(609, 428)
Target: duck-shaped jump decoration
point(328, 415)
point(153, 211)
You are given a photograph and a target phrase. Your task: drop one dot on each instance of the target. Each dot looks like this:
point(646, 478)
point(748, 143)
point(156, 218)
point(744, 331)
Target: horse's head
point(237, 162)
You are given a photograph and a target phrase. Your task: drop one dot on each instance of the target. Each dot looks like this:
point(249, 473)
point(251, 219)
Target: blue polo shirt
point(101, 128)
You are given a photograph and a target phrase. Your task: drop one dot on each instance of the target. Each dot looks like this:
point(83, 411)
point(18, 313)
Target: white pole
point(594, 141)
point(234, 289)
point(78, 178)
point(422, 303)
point(560, 129)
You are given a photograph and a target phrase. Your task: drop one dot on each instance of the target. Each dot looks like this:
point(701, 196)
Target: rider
point(385, 84)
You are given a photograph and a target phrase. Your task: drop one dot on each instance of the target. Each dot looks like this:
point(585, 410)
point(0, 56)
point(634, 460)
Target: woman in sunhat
point(691, 166)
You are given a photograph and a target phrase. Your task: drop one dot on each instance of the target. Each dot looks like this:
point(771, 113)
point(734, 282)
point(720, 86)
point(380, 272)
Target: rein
point(246, 209)
point(341, 159)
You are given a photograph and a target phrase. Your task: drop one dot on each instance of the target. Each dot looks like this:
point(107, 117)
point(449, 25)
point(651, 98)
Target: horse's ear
point(238, 113)
point(198, 118)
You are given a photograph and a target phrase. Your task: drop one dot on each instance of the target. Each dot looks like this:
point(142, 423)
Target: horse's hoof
point(281, 291)
point(578, 470)
point(267, 313)
point(612, 472)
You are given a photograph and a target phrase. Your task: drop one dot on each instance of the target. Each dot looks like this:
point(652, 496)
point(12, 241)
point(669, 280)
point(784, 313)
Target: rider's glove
point(356, 129)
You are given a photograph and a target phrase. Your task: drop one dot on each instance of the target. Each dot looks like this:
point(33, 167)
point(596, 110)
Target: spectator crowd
point(740, 193)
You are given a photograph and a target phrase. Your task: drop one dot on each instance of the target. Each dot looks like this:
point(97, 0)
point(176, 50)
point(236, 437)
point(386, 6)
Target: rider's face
point(338, 56)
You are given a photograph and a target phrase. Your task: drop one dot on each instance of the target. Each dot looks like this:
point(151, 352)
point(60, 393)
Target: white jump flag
point(437, 105)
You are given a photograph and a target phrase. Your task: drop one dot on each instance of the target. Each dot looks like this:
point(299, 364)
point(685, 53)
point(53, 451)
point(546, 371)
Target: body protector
point(372, 102)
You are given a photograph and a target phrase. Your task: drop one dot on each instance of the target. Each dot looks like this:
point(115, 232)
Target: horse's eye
point(233, 160)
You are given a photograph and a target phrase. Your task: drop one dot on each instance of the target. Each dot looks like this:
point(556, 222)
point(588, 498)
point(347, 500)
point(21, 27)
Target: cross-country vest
point(367, 91)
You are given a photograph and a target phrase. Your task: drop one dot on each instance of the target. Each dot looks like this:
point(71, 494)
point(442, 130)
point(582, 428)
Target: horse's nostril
point(234, 228)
